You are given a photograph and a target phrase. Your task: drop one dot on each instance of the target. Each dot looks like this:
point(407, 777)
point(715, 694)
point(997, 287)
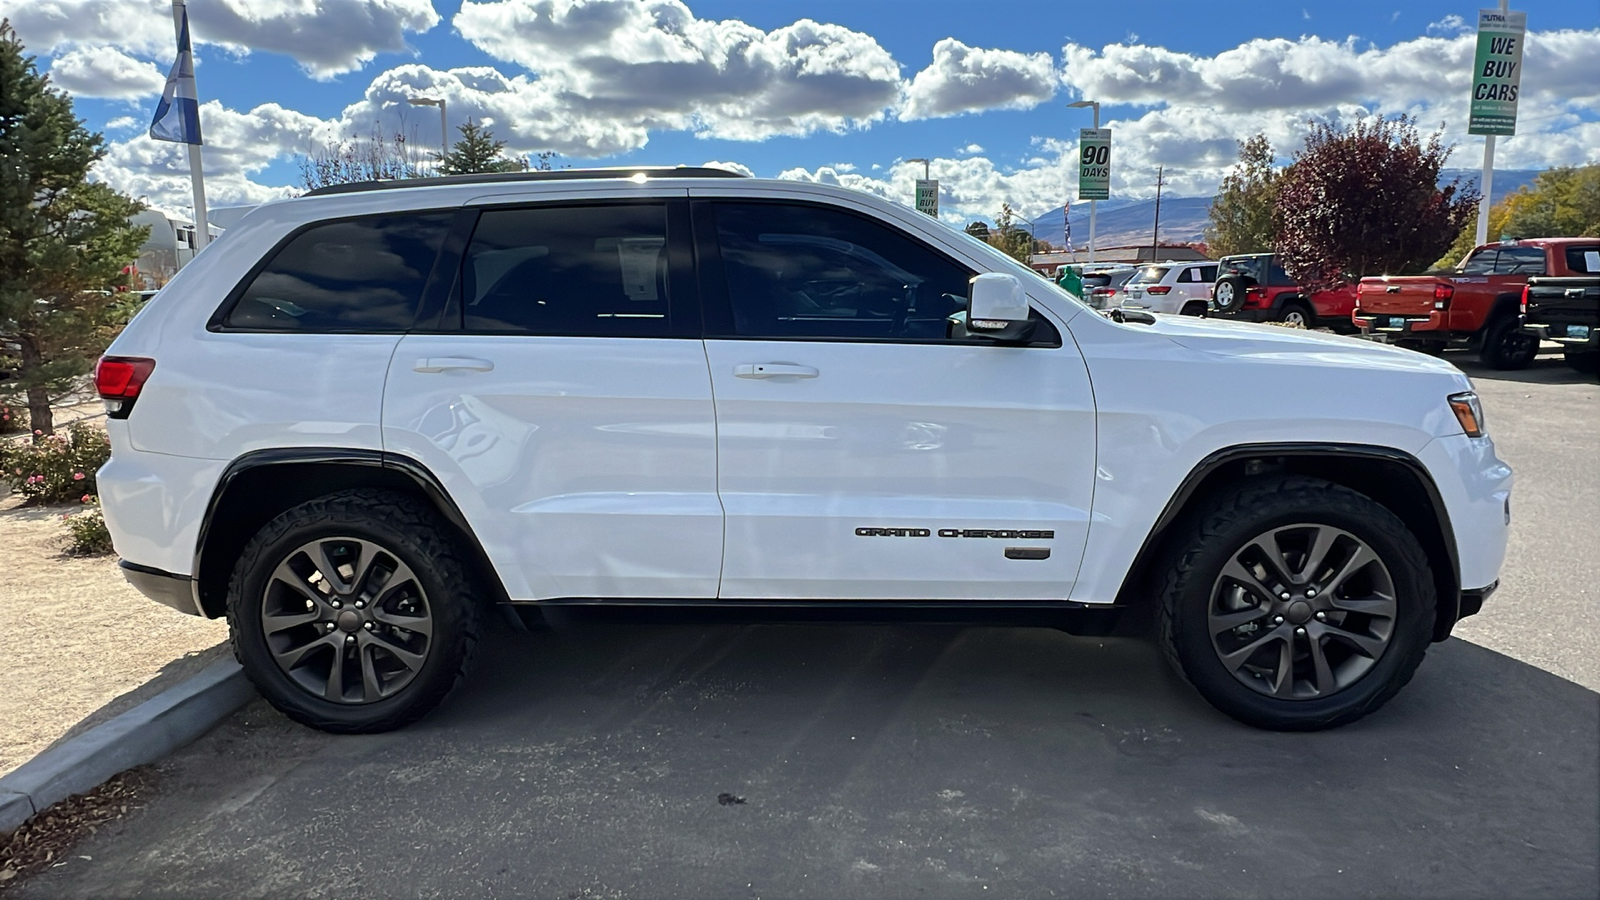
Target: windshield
point(1150, 274)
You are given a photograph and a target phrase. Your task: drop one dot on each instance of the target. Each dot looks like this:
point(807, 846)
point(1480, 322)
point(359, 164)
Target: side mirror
point(997, 308)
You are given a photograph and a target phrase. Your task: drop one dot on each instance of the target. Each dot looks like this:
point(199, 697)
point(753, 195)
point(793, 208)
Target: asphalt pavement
point(634, 760)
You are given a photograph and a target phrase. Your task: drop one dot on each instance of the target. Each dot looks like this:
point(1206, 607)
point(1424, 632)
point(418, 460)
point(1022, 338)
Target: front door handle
point(773, 370)
point(449, 363)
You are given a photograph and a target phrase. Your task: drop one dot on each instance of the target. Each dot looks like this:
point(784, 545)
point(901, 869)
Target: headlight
point(1469, 412)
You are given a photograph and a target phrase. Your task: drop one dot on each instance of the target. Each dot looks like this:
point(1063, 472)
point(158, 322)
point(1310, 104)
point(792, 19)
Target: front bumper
point(176, 591)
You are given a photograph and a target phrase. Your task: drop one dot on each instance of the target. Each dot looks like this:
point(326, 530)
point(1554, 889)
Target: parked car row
point(1479, 304)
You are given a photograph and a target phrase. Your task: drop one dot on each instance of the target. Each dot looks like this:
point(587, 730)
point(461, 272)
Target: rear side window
point(1584, 259)
point(355, 275)
point(1279, 277)
point(586, 271)
point(1520, 261)
point(1481, 262)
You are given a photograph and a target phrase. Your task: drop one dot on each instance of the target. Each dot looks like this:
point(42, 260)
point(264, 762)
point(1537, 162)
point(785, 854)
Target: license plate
point(1397, 321)
point(1578, 332)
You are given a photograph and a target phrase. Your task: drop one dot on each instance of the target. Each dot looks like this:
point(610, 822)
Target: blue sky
point(847, 100)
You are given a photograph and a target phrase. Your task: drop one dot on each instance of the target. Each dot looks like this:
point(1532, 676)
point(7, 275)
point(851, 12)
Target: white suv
point(1170, 287)
point(365, 416)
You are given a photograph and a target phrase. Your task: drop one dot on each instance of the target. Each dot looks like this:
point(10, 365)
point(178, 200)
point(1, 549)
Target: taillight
point(1159, 289)
point(1442, 294)
point(1524, 299)
point(119, 379)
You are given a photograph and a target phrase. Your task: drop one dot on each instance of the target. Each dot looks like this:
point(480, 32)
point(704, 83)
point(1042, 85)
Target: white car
point(366, 416)
point(1170, 287)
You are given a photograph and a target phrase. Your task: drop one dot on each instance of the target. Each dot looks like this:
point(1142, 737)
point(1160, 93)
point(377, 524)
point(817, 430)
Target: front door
point(566, 405)
point(863, 454)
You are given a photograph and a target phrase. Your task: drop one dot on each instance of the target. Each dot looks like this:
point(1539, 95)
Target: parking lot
point(639, 760)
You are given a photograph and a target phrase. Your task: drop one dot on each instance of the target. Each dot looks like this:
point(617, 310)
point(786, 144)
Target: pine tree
point(64, 240)
point(478, 152)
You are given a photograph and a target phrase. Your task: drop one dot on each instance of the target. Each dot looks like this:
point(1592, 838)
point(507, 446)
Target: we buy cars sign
point(1497, 71)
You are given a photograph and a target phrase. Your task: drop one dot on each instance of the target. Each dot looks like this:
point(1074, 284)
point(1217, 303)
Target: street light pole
point(444, 127)
point(1095, 106)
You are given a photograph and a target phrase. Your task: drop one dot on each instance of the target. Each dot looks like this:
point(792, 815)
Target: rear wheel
point(1194, 308)
point(1506, 346)
point(1295, 604)
point(353, 612)
point(1297, 312)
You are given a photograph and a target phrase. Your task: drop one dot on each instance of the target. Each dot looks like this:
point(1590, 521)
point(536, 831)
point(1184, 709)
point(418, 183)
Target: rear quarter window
point(352, 275)
point(1584, 260)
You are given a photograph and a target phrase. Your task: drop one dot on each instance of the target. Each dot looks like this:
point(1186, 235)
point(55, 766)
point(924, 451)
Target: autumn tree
point(1365, 200)
point(477, 152)
point(1011, 239)
point(64, 240)
point(1241, 212)
point(1561, 202)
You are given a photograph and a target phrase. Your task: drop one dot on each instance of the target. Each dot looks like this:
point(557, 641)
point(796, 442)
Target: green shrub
point(13, 418)
point(88, 530)
point(55, 468)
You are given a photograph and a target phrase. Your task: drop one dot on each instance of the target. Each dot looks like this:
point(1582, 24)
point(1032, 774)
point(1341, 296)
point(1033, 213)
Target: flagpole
point(202, 228)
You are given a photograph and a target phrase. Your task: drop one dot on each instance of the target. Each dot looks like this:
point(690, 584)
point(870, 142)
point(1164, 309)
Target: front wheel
point(1294, 604)
point(353, 612)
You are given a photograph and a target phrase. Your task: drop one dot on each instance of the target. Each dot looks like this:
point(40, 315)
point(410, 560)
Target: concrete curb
point(143, 734)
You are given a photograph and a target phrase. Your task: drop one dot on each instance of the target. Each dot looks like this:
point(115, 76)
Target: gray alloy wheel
point(346, 620)
point(1302, 612)
point(1295, 314)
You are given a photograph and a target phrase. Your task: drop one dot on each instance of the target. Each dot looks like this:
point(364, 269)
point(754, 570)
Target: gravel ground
point(79, 645)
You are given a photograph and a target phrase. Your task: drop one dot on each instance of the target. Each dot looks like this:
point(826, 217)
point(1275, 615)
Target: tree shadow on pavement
point(873, 762)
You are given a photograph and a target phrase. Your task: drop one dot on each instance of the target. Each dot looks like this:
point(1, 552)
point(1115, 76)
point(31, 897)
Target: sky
point(842, 92)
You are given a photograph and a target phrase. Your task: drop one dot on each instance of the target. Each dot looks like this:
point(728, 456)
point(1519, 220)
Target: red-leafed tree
point(1365, 200)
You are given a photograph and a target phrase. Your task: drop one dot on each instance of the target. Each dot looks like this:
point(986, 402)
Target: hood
point(1225, 337)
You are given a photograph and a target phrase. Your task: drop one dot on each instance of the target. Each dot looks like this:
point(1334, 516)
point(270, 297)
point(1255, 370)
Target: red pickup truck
point(1477, 302)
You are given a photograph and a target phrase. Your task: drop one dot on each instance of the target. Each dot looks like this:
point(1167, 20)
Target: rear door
point(863, 454)
point(563, 399)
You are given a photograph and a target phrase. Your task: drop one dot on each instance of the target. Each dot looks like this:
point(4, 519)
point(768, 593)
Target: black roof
point(517, 177)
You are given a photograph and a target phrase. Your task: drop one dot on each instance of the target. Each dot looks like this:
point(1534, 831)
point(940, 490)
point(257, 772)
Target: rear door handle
point(449, 363)
point(773, 370)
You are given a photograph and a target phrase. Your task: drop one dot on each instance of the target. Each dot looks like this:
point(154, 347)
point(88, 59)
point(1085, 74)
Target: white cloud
point(105, 72)
point(741, 168)
point(122, 123)
point(650, 64)
point(327, 37)
point(1448, 26)
point(965, 79)
point(972, 148)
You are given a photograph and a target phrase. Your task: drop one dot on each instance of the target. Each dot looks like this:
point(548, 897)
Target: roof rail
point(516, 177)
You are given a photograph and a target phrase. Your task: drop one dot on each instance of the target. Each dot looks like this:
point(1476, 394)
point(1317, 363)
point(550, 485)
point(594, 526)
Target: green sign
point(1094, 164)
point(1497, 71)
point(928, 196)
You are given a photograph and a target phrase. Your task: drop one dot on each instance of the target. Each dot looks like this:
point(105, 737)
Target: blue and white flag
point(178, 115)
point(1066, 224)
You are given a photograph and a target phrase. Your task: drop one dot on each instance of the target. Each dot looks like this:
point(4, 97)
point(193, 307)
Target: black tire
point(1229, 293)
point(437, 593)
point(1506, 346)
point(1195, 308)
point(1586, 361)
point(1210, 539)
point(1297, 312)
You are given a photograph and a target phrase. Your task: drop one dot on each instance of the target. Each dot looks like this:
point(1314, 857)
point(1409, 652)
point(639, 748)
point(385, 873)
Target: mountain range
point(1125, 223)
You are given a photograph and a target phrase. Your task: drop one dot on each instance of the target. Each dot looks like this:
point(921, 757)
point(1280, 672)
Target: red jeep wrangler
point(1255, 288)
point(1477, 302)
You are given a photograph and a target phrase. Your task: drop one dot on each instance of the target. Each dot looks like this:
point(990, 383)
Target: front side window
point(795, 271)
point(356, 275)
point(596, 271)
